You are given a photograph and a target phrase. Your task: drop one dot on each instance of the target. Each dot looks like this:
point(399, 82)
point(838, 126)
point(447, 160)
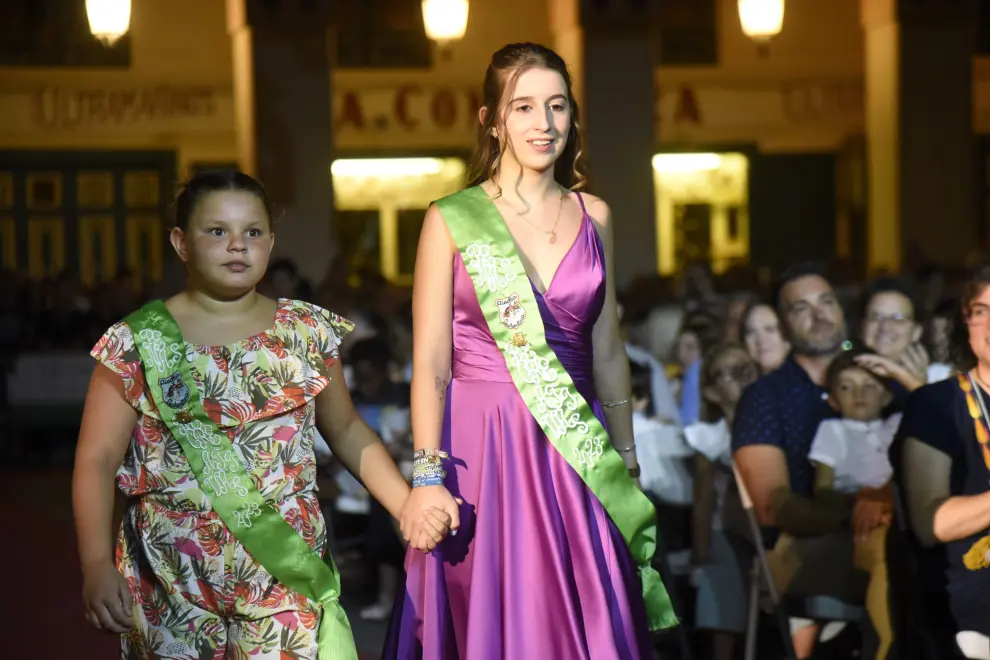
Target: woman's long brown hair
point(507, 64)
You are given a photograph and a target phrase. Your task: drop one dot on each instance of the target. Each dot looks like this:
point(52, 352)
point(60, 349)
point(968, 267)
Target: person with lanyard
point(204, 408)
point(514, 302)
point(942, 458)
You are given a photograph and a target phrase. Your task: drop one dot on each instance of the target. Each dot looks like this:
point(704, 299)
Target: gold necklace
point(552, 233)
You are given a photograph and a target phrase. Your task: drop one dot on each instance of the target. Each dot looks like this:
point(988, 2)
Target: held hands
point(107, 599)
point(428, 516)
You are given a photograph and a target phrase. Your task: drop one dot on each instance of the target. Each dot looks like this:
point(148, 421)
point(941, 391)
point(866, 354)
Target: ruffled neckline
point(280, 319)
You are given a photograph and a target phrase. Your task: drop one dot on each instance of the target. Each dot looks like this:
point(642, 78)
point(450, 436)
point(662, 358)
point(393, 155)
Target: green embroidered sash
point(509, 305)
point(222, 477)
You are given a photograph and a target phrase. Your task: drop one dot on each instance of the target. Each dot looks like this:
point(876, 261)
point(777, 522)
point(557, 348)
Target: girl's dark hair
point(976, 283)
point(889, 284)
point(793, 273)
point(710, 412)
point(947, 310)
point(201, 185)
point(845, 361)
point(705, 326)
point(507, 65)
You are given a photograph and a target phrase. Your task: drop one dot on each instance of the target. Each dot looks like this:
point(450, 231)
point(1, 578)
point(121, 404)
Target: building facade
point(748, 155)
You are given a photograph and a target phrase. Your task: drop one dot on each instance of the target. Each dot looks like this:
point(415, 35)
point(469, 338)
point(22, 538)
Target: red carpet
point(44, 621)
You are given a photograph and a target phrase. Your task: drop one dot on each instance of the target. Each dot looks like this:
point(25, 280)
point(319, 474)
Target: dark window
point(358, 238)
point(381, 34)
point(410, 225)
point(54, 33)
point(692, 234)
point(91, 215)
point(983, 28)
point(687, 33)
point(733, 228)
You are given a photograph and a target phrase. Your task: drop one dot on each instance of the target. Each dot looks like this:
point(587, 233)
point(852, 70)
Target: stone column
point(921, 147)
point(283, 52)
point(608, 47)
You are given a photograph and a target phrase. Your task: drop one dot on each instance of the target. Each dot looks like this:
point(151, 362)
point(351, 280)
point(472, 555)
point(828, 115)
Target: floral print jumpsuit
point(197, 592)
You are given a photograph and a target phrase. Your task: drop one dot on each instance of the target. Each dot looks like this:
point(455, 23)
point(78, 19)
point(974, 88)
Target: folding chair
point(818, 608)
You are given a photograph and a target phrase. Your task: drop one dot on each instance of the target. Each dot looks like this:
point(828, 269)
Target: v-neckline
point(521, 254)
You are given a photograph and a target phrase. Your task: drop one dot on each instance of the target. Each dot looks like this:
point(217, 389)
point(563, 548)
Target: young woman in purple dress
point(543, 561)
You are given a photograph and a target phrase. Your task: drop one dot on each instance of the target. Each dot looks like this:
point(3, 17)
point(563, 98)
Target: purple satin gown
point(537, 570)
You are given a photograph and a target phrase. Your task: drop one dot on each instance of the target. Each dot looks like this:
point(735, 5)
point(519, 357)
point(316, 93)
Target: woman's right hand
point(430, 512)
point(107, 599)
point(885, 368)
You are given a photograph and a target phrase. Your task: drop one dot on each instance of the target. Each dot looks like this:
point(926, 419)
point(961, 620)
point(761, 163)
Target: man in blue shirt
point(775, 424)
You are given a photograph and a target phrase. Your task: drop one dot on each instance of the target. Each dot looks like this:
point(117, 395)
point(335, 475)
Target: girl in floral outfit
point(267, 373)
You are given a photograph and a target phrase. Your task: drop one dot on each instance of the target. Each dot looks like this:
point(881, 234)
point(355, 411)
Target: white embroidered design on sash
point(556, 405)
point(490, 271)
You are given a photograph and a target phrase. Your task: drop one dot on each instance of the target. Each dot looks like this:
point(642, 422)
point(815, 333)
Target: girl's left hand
point(428, 516)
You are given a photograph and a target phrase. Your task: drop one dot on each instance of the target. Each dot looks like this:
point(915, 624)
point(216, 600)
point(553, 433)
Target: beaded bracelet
point(436, 454)
point(428, 467)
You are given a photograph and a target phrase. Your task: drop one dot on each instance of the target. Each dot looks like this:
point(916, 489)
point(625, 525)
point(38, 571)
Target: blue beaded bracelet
point(419, 481)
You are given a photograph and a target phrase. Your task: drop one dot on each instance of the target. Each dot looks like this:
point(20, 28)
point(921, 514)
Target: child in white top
point(662, 452)
point(720, 551)
point(850, 455)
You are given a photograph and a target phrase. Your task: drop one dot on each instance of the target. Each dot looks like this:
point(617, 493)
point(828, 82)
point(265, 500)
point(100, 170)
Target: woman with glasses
point(892, 327)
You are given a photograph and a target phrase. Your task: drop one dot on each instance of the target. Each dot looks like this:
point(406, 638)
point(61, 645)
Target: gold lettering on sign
point(64, 108)
point(804, 103)
point(351, 112)
point(443, 109)
point(402, 106)
point(687, 109)
point(678, 105)
point(413, 108)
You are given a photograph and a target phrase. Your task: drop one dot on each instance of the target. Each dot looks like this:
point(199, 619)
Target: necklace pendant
point(553, 237)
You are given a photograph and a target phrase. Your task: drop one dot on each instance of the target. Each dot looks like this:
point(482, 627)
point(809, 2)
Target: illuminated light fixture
point(109, 20)
point(445, 20)
point(761, 20)
point(685, 163)
point(386, 168)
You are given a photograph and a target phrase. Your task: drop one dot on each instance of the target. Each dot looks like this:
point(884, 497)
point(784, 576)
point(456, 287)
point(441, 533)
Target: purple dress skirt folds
point(538, 569)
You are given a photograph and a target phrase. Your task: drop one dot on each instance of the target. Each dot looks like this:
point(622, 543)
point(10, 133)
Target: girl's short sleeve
point(329, 331)
point(117, 351)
